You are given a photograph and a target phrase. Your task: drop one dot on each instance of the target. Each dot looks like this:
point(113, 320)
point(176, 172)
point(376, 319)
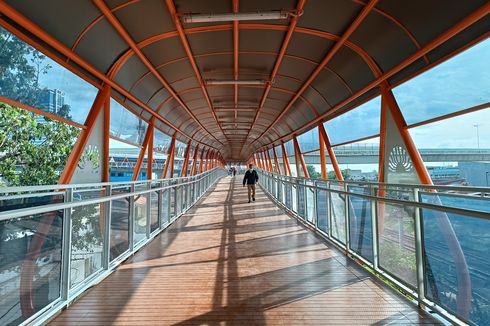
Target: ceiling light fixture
point(238, 16)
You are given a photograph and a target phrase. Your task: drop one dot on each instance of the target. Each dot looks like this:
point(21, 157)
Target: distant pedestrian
point(251, 177)
point(234, 171)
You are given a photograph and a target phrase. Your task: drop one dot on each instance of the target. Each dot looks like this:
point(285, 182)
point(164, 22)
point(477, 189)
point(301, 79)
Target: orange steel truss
point(300, 159)
point(144, 149)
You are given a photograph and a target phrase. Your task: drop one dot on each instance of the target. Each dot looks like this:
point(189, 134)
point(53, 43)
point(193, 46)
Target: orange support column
point(194, 161)
point(183, 171)
point(276, 161)
point(168, 161)
point(201, 161)
point(82, 140)
point(144, 147)
point(401, 125)
point(107, 135)
point(299, 156)
point(331, 153)
point(149, 170)
point(269, 159)
point(323, 159)
point(285, 160)
point(29, 267)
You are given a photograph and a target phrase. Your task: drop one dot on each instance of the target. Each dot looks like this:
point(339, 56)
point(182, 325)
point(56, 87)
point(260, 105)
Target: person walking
point(251, 178)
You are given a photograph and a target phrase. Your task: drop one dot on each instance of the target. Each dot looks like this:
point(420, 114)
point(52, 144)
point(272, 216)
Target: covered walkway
point(230, 262)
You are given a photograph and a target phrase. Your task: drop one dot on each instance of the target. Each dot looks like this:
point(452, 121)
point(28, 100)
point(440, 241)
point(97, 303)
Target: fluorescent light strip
point(239, 16)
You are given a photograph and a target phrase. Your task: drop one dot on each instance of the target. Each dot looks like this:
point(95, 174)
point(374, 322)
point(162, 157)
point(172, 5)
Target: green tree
point(312, 172)
point(345, 174)
point(20, 68)
point(33, 149)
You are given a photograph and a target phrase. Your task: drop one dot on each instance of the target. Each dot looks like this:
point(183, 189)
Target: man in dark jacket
point(250, 178)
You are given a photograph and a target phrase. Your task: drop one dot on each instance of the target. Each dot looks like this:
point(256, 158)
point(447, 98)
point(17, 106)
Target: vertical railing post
point(148, 211)
point(131, 220)
point(347, 223)
point(374, 220)
point(107, 229)
point(330, 209)
point(160, 204)
point(419, 250)
point(66, 248)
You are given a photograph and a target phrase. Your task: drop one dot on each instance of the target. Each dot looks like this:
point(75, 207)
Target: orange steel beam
point(107, 136)
point(194, 161)
point(464, 299)
point(323, 160)
point(285, 160)
point(171, 148)
point(280, 57)
point(331, 153)
point(111, 18)
point(62, 49)
point(201, 160)
point(382, 141)
point(172, 164)
point(82, 140)
point(359, 19)
point(278, 166)
point(401, 125)
point(301, 158)
point(144, 148)
point(296, 158)
point(149, 162)
point(29, 266)
point(269, 161)
point(185, 43)
point(183, 171)
point(440, 39)
point(40, 112)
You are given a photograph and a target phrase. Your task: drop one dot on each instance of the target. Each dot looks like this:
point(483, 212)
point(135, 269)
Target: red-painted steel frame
point(331, 153)
point(300, 159)
point(194, 161)
point(278, 166)
point(359, 19)
point(185, 164)
point(144, 149)
point(323, 160)
point(280, 57)
point(285, 160)
point(169, 159)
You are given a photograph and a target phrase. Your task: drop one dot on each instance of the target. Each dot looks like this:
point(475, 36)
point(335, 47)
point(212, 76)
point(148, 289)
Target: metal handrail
point(280, 189)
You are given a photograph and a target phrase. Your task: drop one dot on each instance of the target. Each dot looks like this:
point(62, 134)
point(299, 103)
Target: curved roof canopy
point(327, 57)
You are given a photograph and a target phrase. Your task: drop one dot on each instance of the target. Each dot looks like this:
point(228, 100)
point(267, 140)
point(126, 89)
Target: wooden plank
point(230, 262)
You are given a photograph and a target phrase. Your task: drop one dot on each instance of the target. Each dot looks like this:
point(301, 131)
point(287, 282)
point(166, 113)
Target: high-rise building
point(52, 100)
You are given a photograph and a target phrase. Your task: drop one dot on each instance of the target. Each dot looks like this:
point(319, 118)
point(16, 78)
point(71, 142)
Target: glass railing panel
point(30, 200)
point(288, 194)
point(337, 201)
point(31, 251)
point(322, 207)
point(360, 223)
point(87, 237)
point(165, 214)
point(310, 204)
point(396, 241)
point(457, 264)
point(154, 210)
point(294, 198)
point(173, 194)
point(120, 211)
point(140, 214)
point(301, 201)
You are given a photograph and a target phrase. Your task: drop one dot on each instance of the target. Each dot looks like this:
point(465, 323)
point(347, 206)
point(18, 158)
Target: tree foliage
point(33, 149)
point(20, 69)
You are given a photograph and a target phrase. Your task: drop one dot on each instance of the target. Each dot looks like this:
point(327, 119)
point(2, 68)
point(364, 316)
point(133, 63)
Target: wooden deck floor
point(227, 262)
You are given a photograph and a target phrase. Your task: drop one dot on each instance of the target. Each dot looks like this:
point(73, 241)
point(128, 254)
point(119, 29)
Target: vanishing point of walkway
point(227, 262)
